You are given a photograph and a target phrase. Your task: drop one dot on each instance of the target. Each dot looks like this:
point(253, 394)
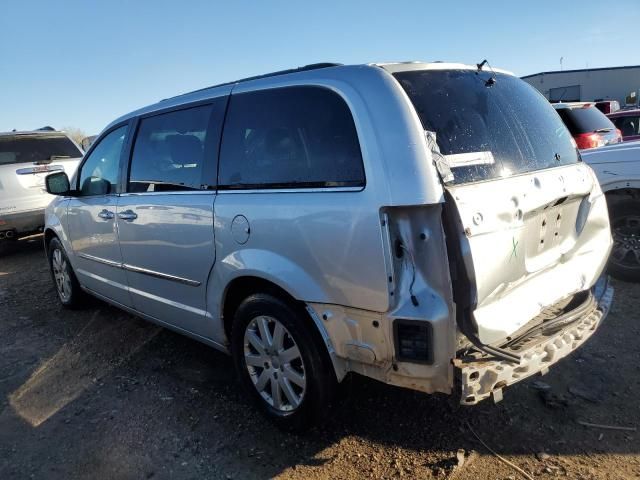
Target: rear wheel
point(64, 279)
point(280, 363)
point(624, 262)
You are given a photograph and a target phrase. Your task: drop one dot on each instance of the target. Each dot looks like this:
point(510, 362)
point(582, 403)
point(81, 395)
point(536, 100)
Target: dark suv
point(589, 127)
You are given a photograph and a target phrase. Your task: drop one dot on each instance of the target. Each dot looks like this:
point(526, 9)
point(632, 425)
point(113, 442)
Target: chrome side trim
point(166, 301)
point(290, 190)
point(145, 271)
point(103, 280)
point(166, 276)
point(104, 261)
point(155, 194)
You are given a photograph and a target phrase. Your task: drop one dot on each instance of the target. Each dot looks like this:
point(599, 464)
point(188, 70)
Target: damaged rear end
point(526, 225)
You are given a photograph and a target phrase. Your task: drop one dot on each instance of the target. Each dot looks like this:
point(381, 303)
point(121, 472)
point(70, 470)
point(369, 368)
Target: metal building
point(585, 85)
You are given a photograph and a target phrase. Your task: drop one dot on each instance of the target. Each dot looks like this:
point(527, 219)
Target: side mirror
point(57, 184)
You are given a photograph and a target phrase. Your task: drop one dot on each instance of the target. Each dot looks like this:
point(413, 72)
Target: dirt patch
point(97, 393)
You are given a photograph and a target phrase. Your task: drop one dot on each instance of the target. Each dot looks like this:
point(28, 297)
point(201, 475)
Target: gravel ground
point(97, 393)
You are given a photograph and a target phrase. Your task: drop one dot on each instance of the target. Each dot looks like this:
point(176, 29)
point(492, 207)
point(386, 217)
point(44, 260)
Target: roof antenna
point(492, 79)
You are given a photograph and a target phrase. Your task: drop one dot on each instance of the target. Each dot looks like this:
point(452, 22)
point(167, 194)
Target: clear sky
point(83, 63)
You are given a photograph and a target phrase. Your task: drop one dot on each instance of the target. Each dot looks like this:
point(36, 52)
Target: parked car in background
point(589, 127)
point(628, 122)
point(607, 106)
point(25, 160)
point(87, 142)
point(618, 170)
point(334, 219)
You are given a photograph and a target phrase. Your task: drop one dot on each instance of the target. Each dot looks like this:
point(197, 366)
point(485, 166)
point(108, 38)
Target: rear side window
point(488, 129)
point(169, 151)
point(36, 148)
point(584, 119)
point(291, 137)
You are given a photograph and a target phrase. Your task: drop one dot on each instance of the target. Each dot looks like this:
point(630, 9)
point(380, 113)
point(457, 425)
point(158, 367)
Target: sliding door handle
point(128, 215)
point(105, 214)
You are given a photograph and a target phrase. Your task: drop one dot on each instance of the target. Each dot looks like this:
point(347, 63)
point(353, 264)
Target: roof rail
point(312, 66)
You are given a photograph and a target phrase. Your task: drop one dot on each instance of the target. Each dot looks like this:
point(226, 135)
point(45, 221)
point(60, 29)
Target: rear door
point(25, 160)
point(165, 216)
point(527, 223)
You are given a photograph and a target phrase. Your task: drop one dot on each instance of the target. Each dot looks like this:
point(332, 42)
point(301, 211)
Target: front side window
point(290, 137)
point(99, 172)
point(169, 151)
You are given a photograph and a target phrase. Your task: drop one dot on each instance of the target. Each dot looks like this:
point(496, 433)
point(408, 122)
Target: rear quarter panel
point(617, 167)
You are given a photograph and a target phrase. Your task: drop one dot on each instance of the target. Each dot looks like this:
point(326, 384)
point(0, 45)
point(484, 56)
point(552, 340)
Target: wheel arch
point(241, 287)
point(49, 234)
point(623, 191)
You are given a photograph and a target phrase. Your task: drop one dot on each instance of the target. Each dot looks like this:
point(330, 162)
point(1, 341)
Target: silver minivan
point(429, 225)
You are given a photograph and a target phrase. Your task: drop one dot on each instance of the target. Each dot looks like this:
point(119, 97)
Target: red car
point(607, 106)
point(589, 127)
point(628, 122)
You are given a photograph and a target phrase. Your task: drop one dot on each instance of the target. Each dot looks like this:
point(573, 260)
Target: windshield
point(488, 129)
point(584, 119)
point(35, 148)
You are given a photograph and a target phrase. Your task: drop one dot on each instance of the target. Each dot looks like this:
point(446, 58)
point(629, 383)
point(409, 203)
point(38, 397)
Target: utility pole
point(561, 58)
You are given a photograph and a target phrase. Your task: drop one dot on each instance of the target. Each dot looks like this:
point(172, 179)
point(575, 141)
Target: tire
point(305, 383)
point(64, 279)
point(624, 262)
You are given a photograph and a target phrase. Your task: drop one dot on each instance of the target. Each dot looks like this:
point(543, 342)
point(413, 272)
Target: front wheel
point(64, 279)
point(280, 363)
point(624, 262)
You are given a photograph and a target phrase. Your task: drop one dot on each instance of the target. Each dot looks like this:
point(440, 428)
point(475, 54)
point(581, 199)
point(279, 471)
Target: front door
point(92, 220)
point(165, 218)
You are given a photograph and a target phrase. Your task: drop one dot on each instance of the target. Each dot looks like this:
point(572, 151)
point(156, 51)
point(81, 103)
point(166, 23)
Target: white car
point(26, 158)
point(618, 170)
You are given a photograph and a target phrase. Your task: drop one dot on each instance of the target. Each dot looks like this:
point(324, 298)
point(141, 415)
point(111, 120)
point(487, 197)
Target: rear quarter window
point(292, 137)
point(488, 131)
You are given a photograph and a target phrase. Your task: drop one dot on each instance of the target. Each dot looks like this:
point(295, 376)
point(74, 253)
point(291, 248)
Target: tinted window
point(289, 137)
point(488, 130)
point(169, 152)
point(584, 119)
point(628, 125)
point(35, 148)
point(99, 173)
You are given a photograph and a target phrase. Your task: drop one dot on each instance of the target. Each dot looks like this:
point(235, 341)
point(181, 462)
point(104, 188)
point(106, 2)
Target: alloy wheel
point(61, 275)
point(274, 363)
point(626, 241)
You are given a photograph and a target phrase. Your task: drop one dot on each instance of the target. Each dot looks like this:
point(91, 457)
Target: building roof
point(581, 70)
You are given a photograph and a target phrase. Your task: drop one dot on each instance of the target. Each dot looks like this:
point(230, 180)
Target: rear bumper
point(484, 376)
point(23, 222)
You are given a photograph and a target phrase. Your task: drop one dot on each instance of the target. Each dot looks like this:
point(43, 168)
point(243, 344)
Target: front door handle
point(105, 214)
point(128, 215)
